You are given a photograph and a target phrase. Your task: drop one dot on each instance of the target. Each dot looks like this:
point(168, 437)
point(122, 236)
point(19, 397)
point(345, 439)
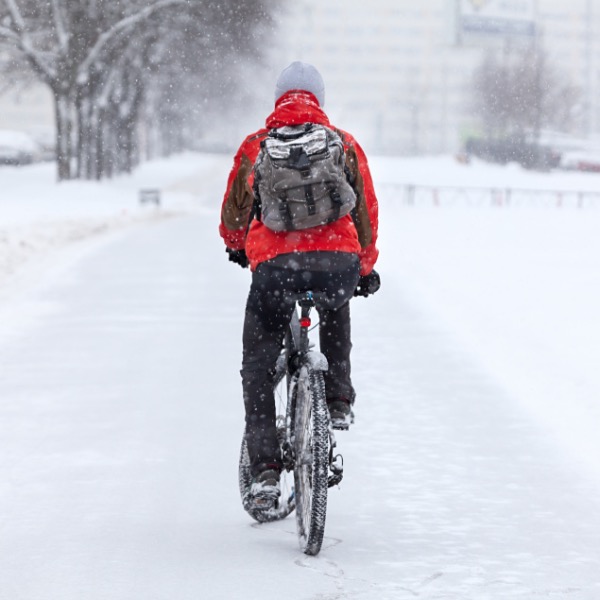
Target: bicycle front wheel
point(310, 438)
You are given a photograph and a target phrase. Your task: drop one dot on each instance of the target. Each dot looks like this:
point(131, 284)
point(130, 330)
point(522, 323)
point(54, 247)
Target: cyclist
point(336, 259)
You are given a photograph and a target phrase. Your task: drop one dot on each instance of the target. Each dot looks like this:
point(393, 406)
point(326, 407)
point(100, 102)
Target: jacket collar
point(296, 107)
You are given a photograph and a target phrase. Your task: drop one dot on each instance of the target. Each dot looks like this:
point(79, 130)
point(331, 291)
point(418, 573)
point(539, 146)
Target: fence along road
point(447, 196)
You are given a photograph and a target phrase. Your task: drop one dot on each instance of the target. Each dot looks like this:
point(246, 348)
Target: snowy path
point(120, 419)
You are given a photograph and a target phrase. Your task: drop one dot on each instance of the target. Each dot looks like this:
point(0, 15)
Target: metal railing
point(447, 196)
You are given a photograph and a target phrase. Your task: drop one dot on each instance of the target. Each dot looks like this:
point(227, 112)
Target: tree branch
point(9, 34)
point(122, 25)
point(19, 36)
point(61, 28)
point(16, 15)
point(36, 59)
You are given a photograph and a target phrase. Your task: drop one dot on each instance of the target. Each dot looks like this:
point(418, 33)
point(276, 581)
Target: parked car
point(580, 161)
point(530, 156)
point(17, 148)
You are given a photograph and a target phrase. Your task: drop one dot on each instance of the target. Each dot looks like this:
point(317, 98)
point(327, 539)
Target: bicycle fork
point(336, 461)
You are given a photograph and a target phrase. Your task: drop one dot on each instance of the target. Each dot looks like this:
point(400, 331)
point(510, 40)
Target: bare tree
point(199, 72)
point(516, 97)
point(63, 41)
point(106, 63)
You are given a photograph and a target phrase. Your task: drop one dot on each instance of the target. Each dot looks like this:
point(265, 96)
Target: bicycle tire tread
point(311, 534)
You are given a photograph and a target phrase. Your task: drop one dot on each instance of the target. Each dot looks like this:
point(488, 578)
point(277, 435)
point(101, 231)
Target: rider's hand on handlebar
point(238, 256)
point(368, 284)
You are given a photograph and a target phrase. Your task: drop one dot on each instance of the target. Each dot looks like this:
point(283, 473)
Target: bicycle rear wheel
point(286, 503)
point(310, 439)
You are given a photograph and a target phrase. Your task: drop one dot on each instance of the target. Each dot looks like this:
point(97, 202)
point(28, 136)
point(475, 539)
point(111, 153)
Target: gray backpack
point(300, 178)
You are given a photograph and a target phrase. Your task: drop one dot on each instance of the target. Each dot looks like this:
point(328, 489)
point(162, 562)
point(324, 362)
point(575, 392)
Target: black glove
point(238, 256)
point(368, 284)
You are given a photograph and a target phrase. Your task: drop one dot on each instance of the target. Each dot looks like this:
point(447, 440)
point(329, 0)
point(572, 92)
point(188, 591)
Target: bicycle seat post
point(306, 303)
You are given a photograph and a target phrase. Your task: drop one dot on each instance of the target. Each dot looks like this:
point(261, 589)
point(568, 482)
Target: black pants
point(268, 312)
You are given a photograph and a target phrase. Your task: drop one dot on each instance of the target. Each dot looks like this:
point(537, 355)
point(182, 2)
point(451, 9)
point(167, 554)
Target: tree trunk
point(85, 151)
point(64, 131)
point(99, 142)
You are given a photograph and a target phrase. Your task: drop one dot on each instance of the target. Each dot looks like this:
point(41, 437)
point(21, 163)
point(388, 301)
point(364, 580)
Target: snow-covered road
point(120, 422)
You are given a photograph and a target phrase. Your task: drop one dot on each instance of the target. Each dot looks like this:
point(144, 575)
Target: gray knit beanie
point(301, 76)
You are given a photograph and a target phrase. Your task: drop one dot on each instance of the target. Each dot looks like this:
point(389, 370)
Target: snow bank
point(38, 214)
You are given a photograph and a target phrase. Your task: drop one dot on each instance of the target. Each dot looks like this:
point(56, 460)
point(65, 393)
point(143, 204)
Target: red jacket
point(356, 234)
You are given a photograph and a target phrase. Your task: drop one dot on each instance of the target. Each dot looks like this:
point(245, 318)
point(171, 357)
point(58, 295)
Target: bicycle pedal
point(262, 502)
point(335, 479)
point(336, 466)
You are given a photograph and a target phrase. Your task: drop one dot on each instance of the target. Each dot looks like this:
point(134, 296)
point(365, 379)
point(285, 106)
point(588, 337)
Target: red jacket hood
point(295, 108)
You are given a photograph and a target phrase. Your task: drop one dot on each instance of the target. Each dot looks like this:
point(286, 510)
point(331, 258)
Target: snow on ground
point(38, 214)
point(519, 286)
point(472, 472)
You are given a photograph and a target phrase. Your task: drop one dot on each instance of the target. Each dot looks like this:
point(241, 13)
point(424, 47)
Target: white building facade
point(396, 76)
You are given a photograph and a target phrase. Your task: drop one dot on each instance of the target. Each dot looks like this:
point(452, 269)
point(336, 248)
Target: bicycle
point(305, 435)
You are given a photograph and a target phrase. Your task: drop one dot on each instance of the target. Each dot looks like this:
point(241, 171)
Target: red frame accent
point(305, 322)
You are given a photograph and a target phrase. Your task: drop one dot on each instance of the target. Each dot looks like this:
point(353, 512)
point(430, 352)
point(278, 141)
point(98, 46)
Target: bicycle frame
point(297, 341)
point(304, 432)
point(298, 352)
